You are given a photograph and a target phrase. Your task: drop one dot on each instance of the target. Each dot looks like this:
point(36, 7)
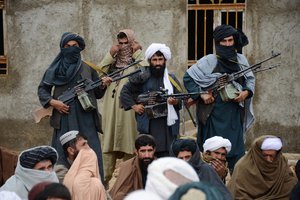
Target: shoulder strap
point(175, 84)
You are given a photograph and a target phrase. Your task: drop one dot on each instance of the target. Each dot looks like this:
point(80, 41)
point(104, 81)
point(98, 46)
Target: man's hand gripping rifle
point(224, 82)
point(152, 100)
point(80, 91)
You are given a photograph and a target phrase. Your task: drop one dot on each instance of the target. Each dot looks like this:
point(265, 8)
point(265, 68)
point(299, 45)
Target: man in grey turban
point(161, 120)
point(218, 117)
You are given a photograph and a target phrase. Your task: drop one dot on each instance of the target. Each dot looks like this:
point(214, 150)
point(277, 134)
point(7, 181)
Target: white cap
point(68, 136)
point(271, 143)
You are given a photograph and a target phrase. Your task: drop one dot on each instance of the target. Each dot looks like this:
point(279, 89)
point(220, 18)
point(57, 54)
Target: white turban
point(216, 142)
point(159, 184)
point(142, 194)
point(154, 47)
point(273, 143)
point(7, 195)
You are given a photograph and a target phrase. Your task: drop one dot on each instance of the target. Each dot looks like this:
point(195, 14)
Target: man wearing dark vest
point(65, 72)
point(160, 121)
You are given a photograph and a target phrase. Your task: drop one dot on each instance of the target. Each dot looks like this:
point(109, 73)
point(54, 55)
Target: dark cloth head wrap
point(183, 145)
point(223, 31)
point(67, 63)
point(209, 190)
point(29, 158)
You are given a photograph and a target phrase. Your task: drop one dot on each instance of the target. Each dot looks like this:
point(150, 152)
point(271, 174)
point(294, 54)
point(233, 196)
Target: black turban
point(184, 145)
point(68, 36)
point(223, 31)
point(29, 158)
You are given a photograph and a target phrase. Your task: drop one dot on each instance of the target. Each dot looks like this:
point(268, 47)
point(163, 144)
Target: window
point(3, 60)
point(203, 17)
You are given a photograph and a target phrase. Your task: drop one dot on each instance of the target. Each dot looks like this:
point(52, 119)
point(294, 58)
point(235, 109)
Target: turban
point(68, 36)
point(155, 47)
point(30, 157)
point(223, 31)
point(7, 195)
point(159, 184)
point(272, 143)
point(68, 136)
point(216, 142)
point(184, 145)
point(197, 190)
point(142, 194)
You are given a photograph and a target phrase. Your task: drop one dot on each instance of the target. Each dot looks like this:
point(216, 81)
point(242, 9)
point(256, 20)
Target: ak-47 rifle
point(223, 82)
point(80, 91)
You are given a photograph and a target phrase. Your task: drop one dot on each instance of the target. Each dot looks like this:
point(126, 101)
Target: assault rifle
point(152, 98)
point(155, 102)
point(223, 82)
point(82, 86)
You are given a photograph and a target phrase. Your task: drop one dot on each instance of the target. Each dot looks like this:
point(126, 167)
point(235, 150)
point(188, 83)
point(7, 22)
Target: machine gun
point(224, 84)
point(155, 97)
point(80, 91)
point(155, 103)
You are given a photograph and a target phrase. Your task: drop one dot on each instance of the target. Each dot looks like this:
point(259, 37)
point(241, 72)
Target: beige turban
point(216, 142)
point(154, 47)
point(272, 143)
point(157, 181)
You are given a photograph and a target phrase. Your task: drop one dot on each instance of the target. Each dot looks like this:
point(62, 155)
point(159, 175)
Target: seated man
point(295, 194)
point(263, 173)
point(34, 165)
point(215, 150)
point(187, 149)
point(72, 142)
point(133, 172)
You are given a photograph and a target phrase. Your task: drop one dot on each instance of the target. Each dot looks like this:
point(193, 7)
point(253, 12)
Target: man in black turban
point(65, 72)
point(217, 116)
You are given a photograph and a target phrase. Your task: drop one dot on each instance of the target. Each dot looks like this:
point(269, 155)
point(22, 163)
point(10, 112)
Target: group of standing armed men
point(124, 117)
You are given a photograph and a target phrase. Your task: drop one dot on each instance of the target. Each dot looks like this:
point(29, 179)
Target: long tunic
point(119, 127)
point(225, 118)
point(157, 127)
point(85, 122)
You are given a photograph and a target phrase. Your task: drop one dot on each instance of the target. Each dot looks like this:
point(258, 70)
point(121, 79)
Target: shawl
point(83, 179)
point(124, 55)
point(67, 63)
point(25, 178)
point(129, 179)
point(255, 178)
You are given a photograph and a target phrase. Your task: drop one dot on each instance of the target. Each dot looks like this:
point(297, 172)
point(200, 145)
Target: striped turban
point(31, 157)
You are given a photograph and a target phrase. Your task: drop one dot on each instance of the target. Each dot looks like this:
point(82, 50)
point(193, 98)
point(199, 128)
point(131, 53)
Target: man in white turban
point(263, 173)
point(157, 118)
point(215, 150)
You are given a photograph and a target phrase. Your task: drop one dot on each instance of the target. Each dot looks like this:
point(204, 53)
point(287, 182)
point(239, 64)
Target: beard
point(157, 70)
point(145, 162)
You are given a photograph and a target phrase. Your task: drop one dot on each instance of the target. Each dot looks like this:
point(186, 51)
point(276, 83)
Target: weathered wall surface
point(34, 29)
point(275, 26)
